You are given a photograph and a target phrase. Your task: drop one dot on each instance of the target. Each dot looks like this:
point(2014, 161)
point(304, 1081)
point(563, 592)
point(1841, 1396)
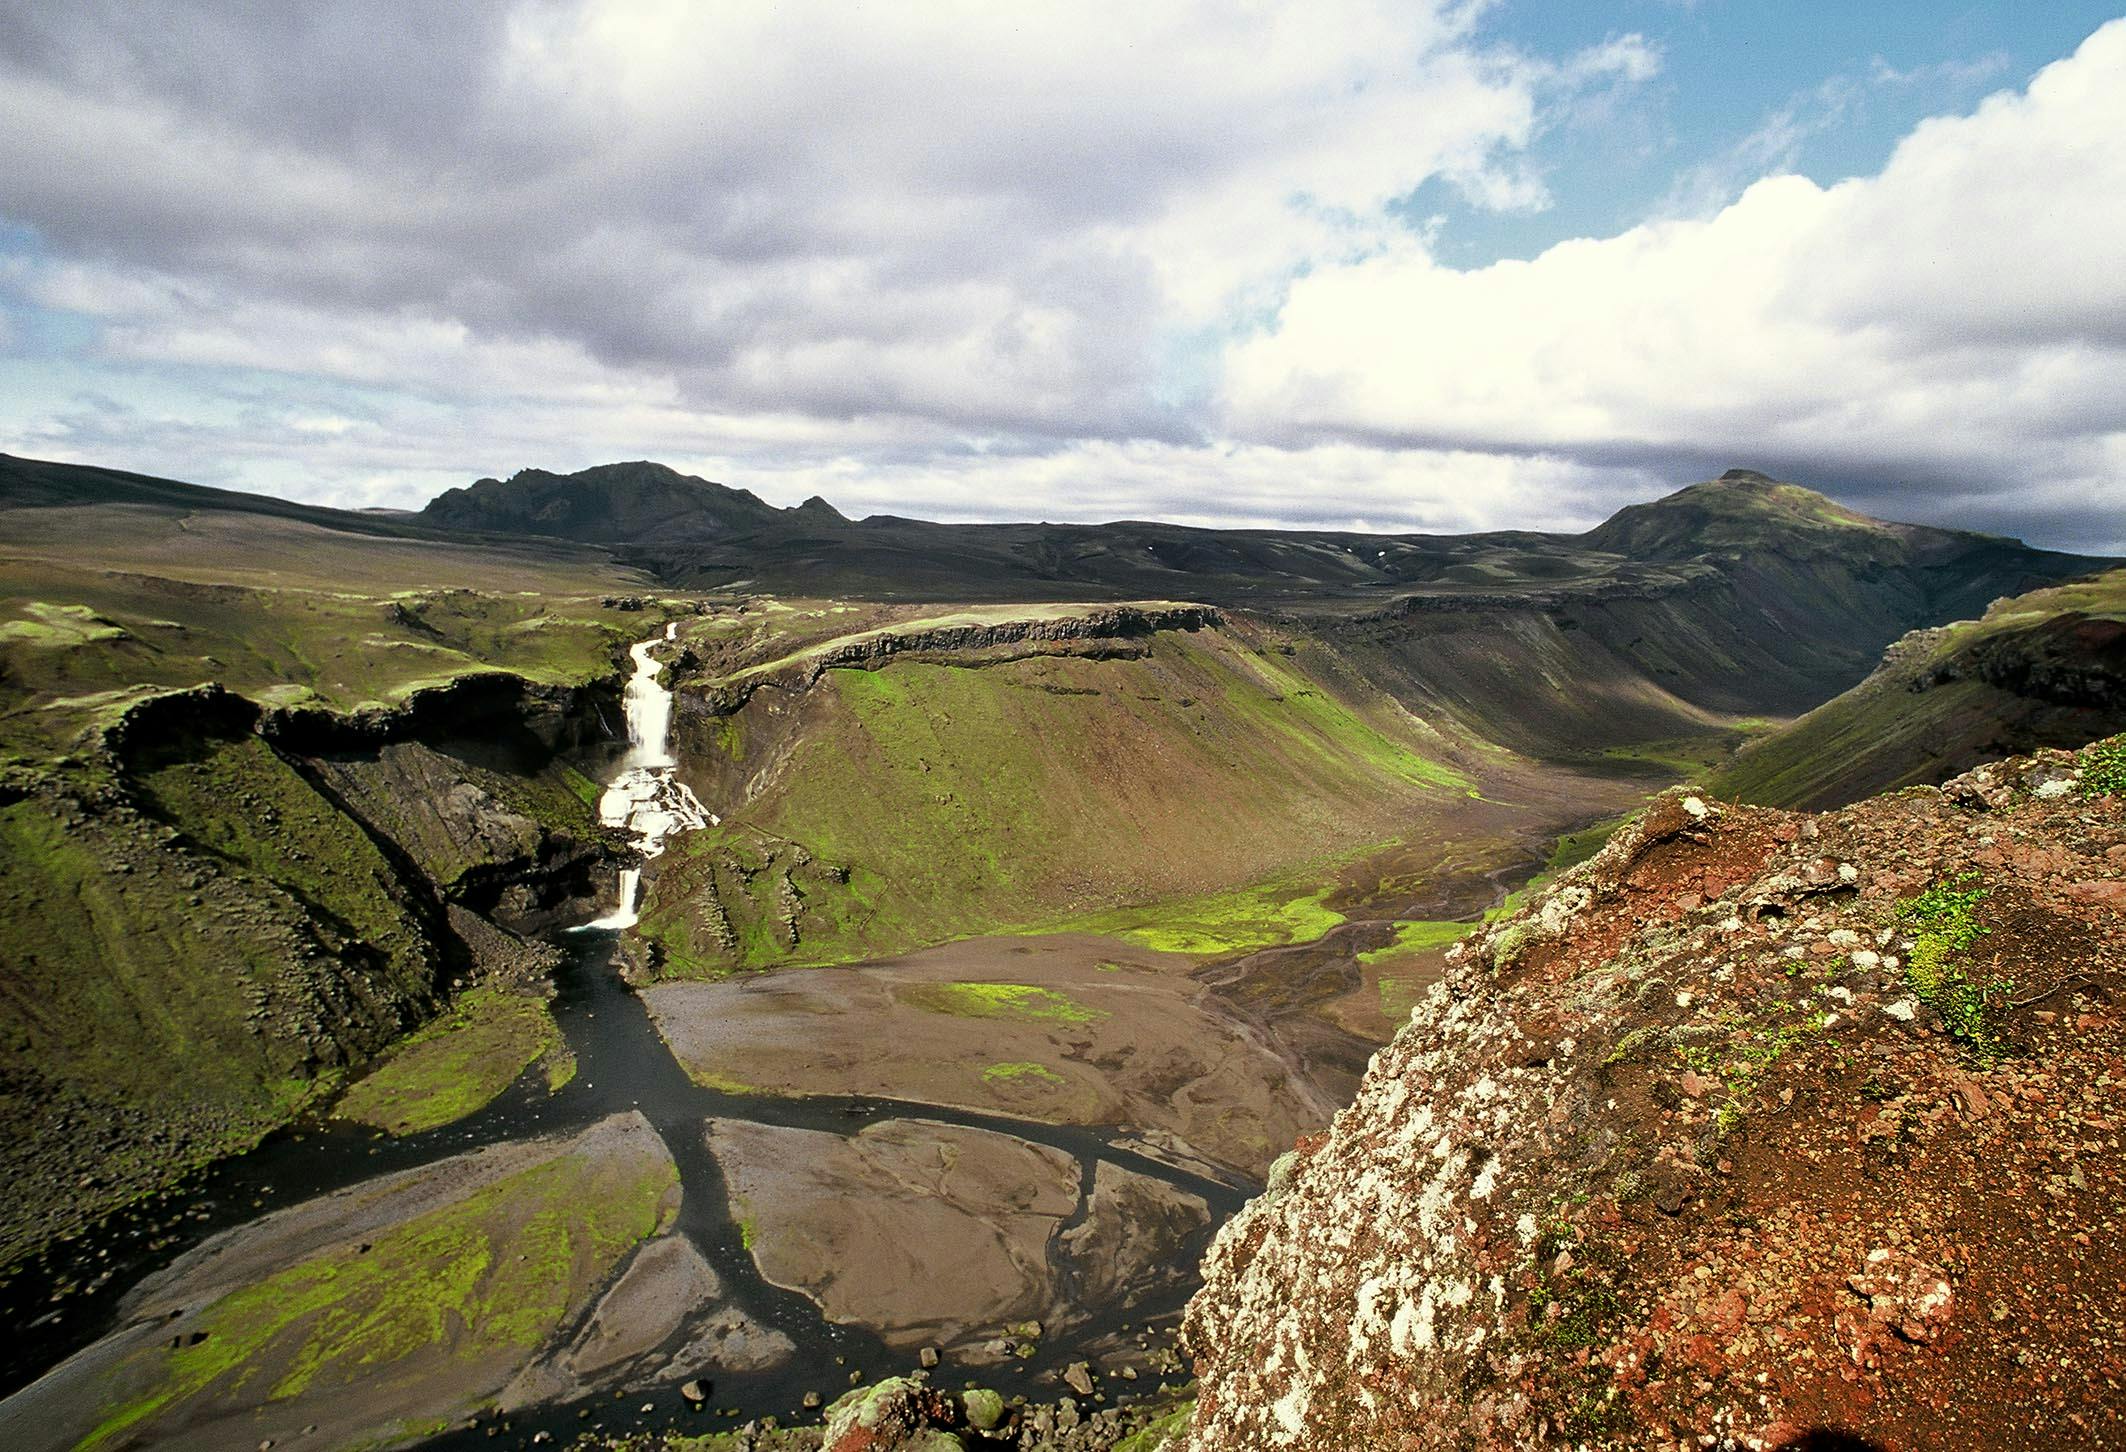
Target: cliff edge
point(1757, 1125)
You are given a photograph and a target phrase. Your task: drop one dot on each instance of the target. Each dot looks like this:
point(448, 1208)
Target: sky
point(1427, 265)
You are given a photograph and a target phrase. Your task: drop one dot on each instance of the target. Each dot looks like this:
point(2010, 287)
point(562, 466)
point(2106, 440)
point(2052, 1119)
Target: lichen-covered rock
point(899, 1414)
point(1756, 1123)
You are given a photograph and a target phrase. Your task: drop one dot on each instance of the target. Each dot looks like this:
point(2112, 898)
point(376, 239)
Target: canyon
point(710, 946)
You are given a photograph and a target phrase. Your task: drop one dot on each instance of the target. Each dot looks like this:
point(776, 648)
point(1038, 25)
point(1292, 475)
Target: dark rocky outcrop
point(2072, 660)
point(973, 644)
point(610, 502)
point(504, 713)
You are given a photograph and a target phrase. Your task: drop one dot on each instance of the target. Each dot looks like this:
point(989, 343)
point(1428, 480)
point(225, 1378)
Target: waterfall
point(645, 795)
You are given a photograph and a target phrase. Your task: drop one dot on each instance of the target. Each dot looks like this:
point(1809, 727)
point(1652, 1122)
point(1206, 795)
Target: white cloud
point(1027, 260)
point(1957, 322)
point(995, 217)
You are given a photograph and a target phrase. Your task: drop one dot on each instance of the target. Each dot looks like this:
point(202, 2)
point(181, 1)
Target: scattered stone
point(984, 1409)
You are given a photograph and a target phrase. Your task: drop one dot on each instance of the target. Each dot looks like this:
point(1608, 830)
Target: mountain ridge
point(695, 533)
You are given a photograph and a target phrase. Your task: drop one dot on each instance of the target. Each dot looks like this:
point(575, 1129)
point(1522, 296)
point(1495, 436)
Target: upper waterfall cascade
point(645, 795)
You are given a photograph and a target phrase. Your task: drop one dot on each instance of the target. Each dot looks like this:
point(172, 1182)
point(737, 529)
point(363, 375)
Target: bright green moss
point(1944, 924)
point(1020, 1072)
point(459, 1063)
point(58, 627)
point(2104, 768)
point(1000, 1000)
point(1162, 1435)
point(493, 1272)
point(580, 786)
point(1416, 937)
point(1219, 924)
point(722, 1083)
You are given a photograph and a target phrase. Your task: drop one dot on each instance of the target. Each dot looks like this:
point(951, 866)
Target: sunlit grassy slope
point(961, 799)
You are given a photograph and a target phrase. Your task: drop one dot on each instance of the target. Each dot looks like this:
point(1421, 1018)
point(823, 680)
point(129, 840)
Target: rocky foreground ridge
point(1757, 1124)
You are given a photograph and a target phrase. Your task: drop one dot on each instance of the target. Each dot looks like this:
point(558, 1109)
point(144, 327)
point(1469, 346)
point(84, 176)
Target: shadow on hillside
point(1828, 1439)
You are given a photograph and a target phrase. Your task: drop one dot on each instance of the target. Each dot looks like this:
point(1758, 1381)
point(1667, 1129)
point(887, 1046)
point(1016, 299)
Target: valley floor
point(1004, 1153)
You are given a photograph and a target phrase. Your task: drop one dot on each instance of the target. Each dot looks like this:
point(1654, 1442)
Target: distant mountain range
point(696, 534)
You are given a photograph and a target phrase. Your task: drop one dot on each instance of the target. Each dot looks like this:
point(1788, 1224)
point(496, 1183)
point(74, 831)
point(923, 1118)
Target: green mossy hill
point(1741, 510)
point(457, 1064)
point(203, 934)
point(218, 900)
point(2043, 669)
point(929, 798)
point(1743, 599)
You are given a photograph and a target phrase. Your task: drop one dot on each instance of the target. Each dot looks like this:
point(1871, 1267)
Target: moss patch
point(494, 1272)
point(1162, 1435)
point(1221, 923)
point(1021, 1072)
point(1022, 1001)
point(1944, 923)
point(57, 627)
point(1416, 937)
point(458, 1064)
point(2104, 768)
point(722, 1083)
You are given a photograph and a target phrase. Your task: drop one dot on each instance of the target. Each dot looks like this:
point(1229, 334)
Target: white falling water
point(645, 795)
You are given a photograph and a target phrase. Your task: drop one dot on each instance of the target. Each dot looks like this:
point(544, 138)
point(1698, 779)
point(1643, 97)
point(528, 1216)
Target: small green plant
point(1635, 1041)
point(2104, 768)
point(1587, 1304)
point(1944, 924)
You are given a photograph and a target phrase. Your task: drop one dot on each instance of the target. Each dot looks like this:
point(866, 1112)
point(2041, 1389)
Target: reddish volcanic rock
point(1726, 1138)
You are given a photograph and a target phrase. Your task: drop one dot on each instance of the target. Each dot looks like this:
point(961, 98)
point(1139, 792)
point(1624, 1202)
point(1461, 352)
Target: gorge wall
point(257, 902)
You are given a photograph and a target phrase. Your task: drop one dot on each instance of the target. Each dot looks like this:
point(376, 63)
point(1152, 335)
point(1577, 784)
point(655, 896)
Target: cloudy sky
point(1431, 264)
